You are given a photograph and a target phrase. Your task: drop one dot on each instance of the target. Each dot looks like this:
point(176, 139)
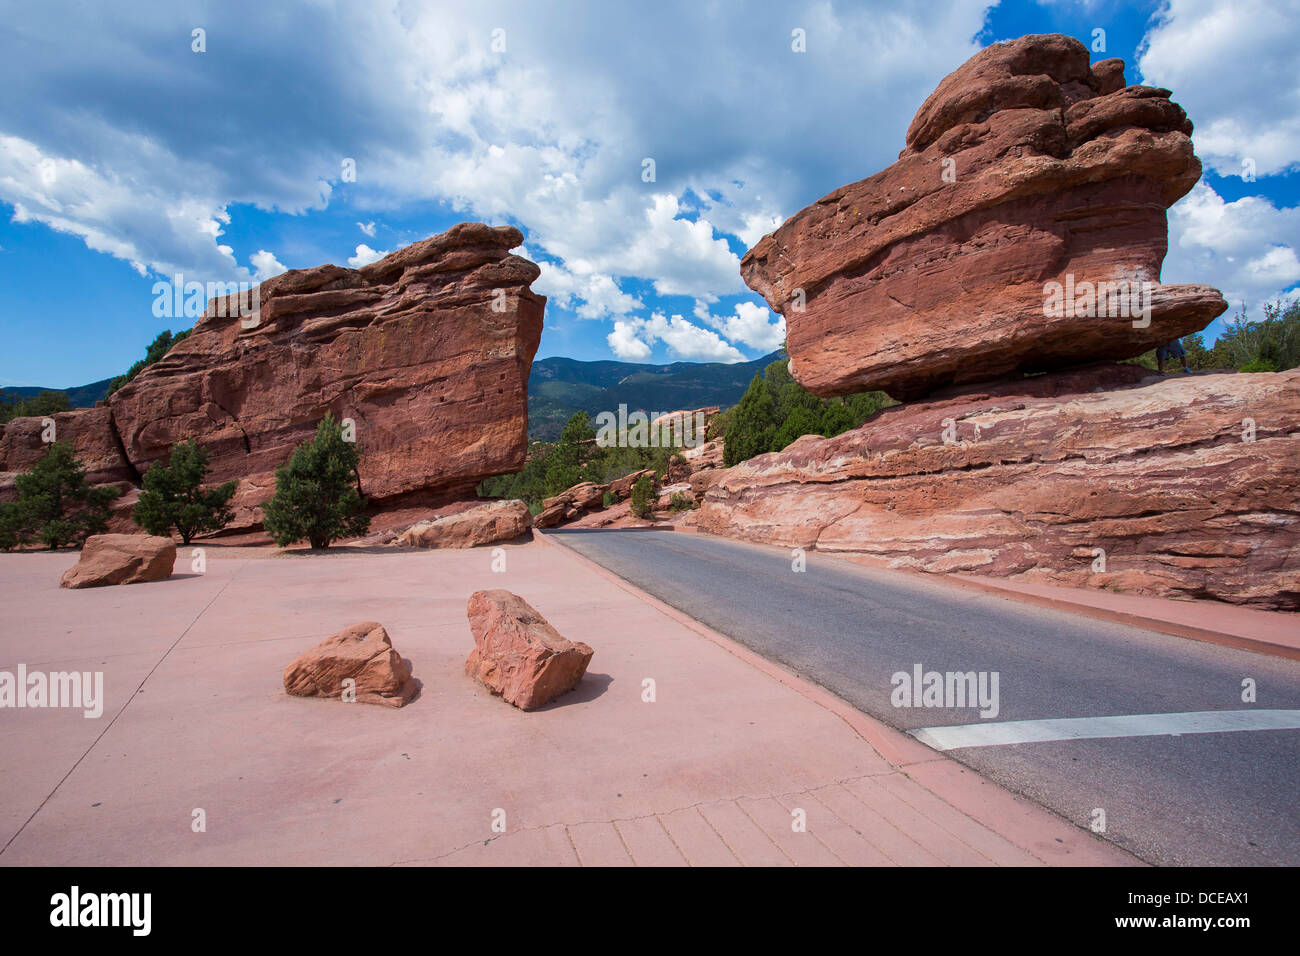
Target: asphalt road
point(1218, 798)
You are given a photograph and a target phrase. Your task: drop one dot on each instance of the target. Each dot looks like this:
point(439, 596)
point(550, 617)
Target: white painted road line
point(1085, 728)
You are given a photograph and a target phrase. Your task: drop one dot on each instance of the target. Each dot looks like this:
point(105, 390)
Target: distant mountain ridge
point(559, 387)
point(80, 396)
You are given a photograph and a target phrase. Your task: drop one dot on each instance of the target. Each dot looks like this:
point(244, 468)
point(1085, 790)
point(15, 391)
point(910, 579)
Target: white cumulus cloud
point(1246, 248)
point(265, 265)
point(1232, 66)
point(750, 324)
point(633, 339)
point(365, 255)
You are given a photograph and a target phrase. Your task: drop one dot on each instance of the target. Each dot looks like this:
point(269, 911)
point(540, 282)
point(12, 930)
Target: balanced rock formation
point(1104, 477)
point(427, 351)
point(1020, 229)
point(517, 654)
point(121, 559)
point(362, 654)
point(471, 527)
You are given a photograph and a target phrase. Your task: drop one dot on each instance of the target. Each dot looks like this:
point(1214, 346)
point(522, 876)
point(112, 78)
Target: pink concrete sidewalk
point(1267, 632)
point(714, 772)
point(1215, 622)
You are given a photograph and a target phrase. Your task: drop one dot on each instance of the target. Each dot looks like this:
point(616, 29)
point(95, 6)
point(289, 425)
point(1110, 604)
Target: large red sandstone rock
point(479, 525)
point(410, 347)
point(88, 430)
point(362, 653)
point(1040, 472)
point(914, 282)
point(121, 559)
point(571, 504)
point(622, 487)
point(517, 654)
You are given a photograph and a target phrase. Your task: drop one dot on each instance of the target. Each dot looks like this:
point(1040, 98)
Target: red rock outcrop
point(1190, 486)
point(622, 487)
point(362, 653)
point(1025, 167)
point(88, 430)
point(427, 351)
point(517, 654)
point(121, 559)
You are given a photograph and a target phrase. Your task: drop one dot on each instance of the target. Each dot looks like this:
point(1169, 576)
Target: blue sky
point(125, 155)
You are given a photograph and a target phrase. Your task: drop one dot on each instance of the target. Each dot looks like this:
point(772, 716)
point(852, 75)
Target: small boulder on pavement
point(517, 654)
point(121, 559)
point(362, 652)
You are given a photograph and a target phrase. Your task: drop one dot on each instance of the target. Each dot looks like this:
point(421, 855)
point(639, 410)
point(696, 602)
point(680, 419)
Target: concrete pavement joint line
point(750, 817)
point(718, 833)
point(917, 810)
point(831, 810)
point(999, 734)
point(919, 813)
point(94, 743)
point(828, 847)
point(623, 840)
point(677, 846)
point(884, 820)
point(568, 838)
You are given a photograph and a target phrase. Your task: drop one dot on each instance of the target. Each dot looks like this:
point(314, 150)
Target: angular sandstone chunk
point(121, 559)
point(517, 654)
point(362, 653)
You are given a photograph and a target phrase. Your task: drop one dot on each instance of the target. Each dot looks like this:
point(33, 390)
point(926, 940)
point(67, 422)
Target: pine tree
point(318, 492)
point(13, 526)
point(642, 495)
point(802, 421)
point(55, 503)
point(564, 466)
point(752, 425)
point(172, 496)
point(776, 410)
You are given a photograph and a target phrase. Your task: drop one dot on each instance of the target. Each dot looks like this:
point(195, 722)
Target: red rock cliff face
point(427, 350)
point(90, 430)
point(1027, 479)
point(1026, 166)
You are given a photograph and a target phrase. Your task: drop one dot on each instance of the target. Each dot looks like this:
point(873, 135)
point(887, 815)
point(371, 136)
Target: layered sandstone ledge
point(1026, 166)
point(1190, 487)
point(427, 350)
